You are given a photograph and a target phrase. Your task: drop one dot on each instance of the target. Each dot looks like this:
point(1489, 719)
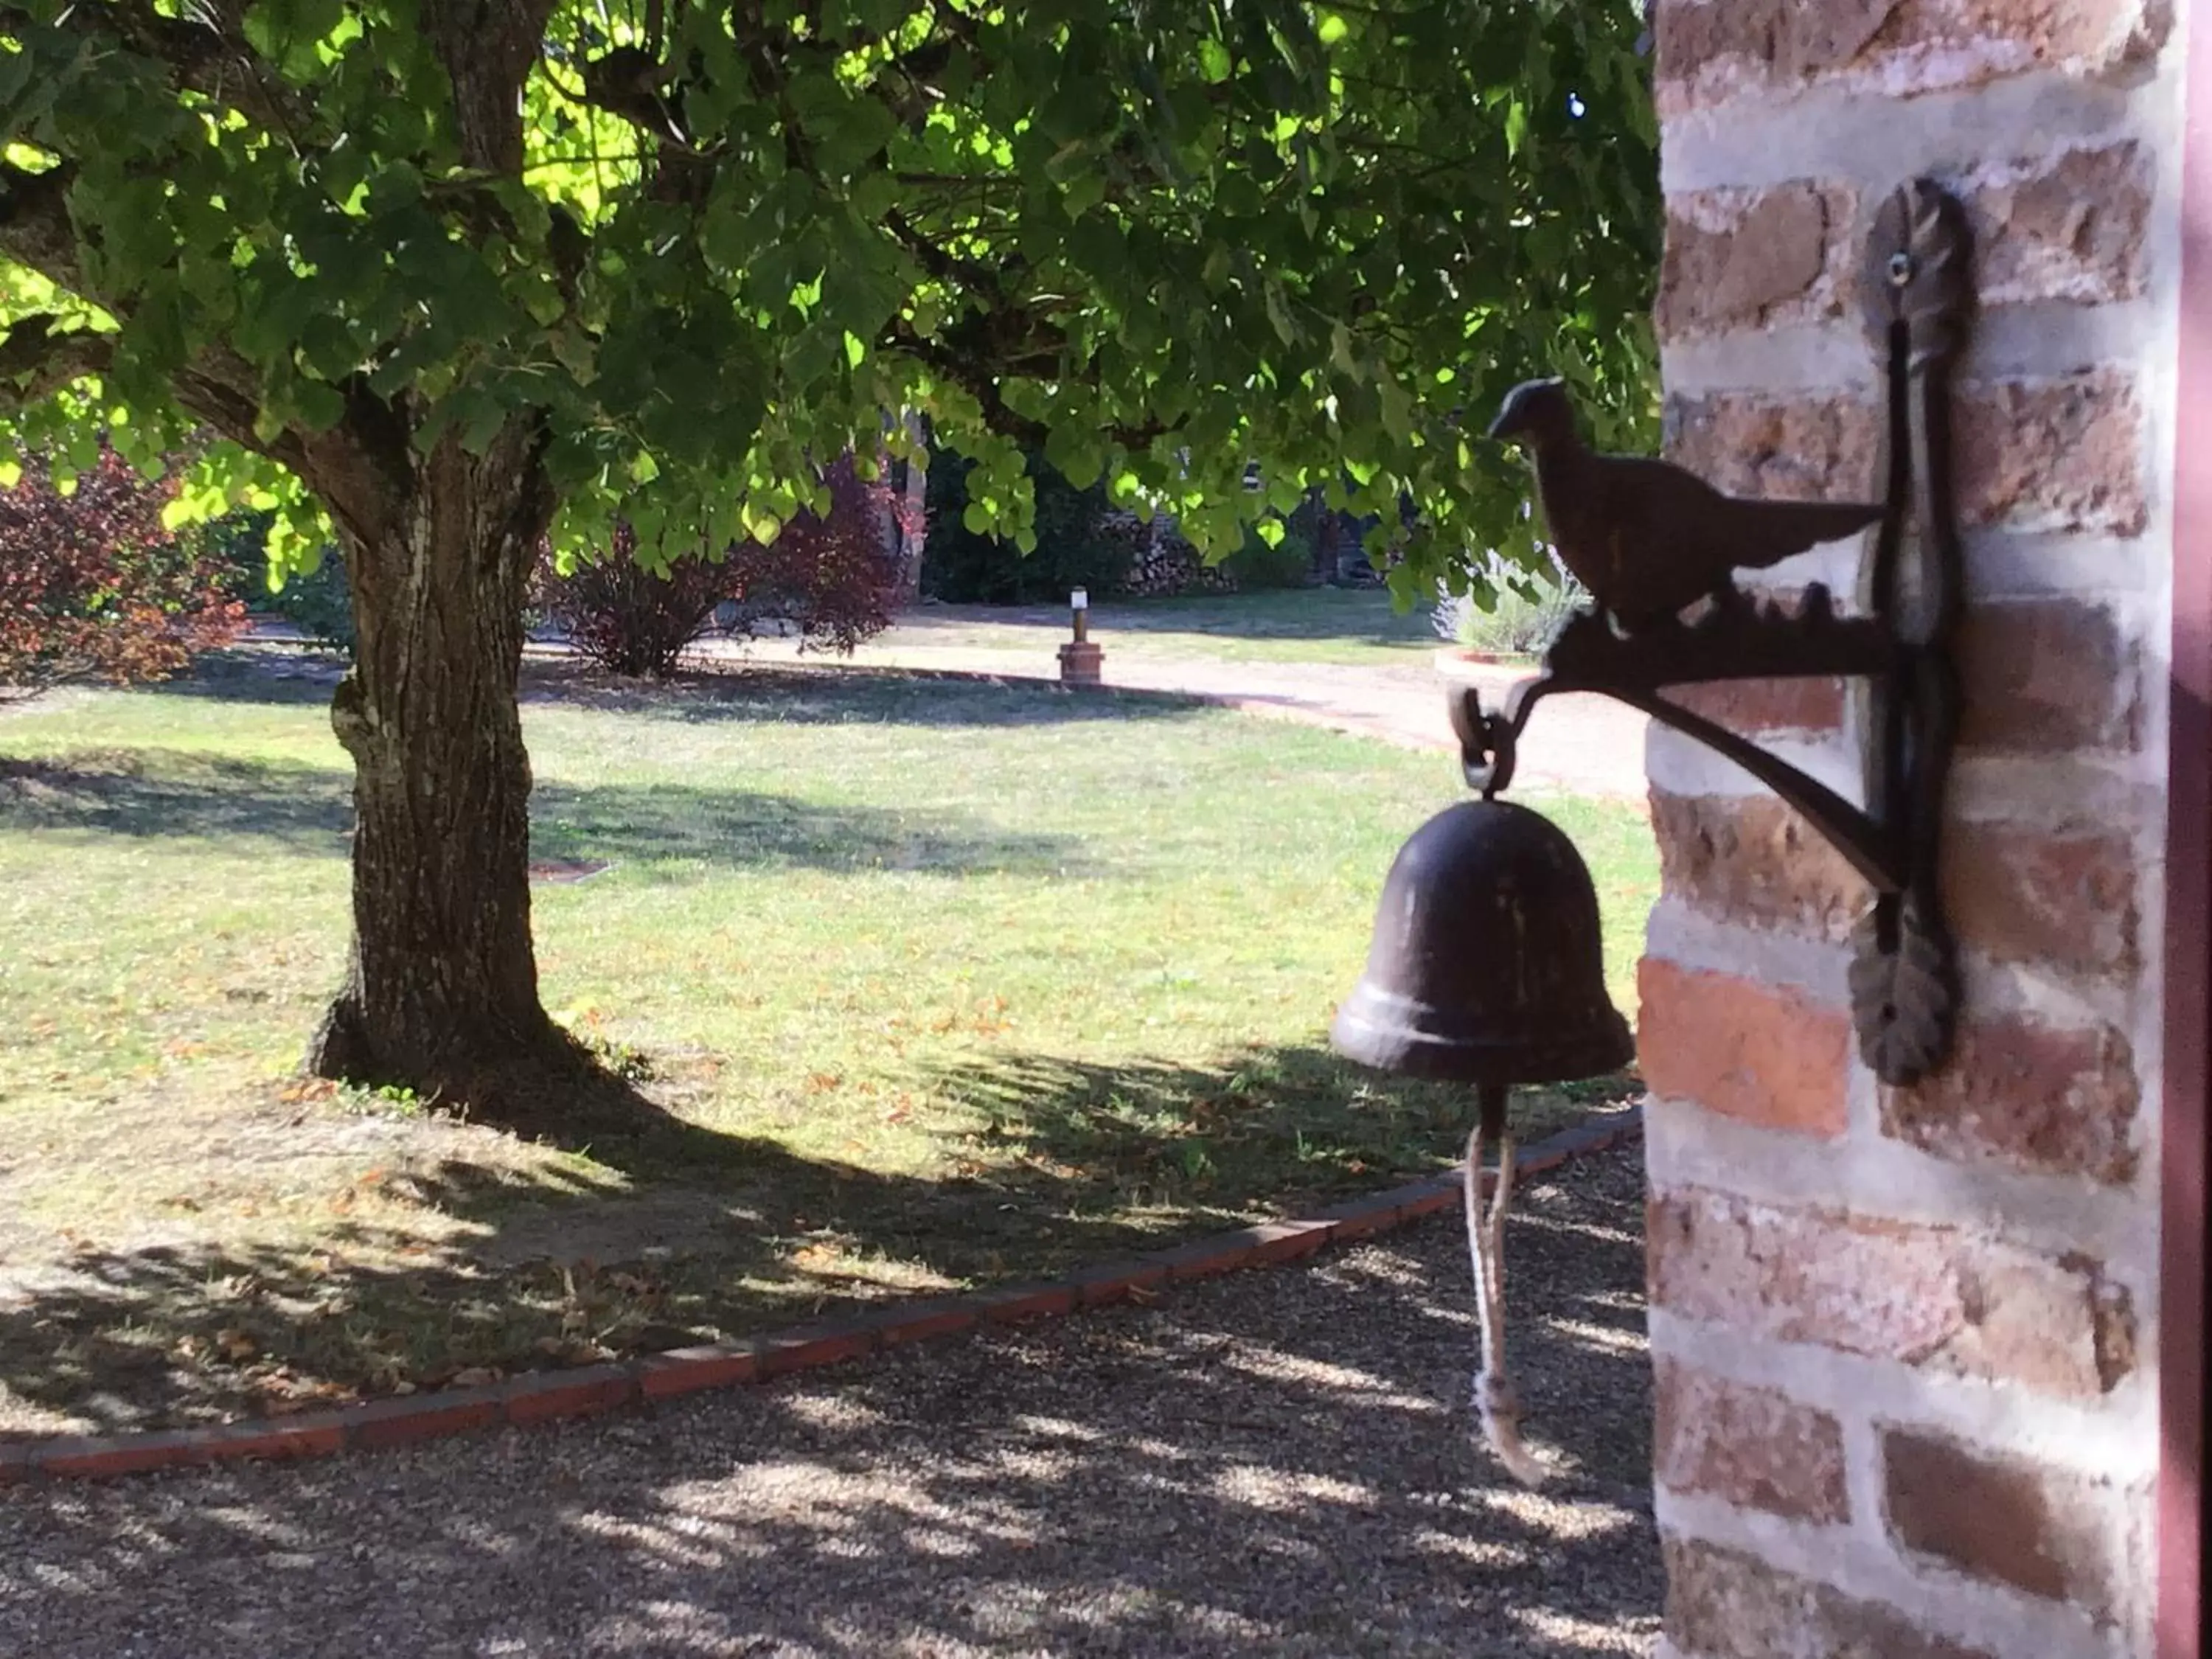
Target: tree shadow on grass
point(837, 694)
point(662, 1235)
point(1293, 1123)
point(1275, 1464)
point(280, 674)
point(831, 693)
point(667, 1233)
point(308, 809)
point(148, 793)
point(1244, 616)
point(708, 1232)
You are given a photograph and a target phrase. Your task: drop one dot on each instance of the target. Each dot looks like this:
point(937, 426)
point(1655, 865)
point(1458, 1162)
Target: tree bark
point(440, 991)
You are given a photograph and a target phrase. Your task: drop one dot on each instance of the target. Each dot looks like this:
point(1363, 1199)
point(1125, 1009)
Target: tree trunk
point(441, 992)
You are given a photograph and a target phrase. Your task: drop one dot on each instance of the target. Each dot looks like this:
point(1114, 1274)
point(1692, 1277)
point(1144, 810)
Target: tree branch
point(37, 359)
point(941, 262)
point(978, 382)
point(35, 230)
point(203, 51)
point(487, 52)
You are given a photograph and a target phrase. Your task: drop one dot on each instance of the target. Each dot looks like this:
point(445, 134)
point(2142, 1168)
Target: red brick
point(1598, 1132)
point(1763, 1054)
point(587, 1391)
point(2056, 901)
point(410, 1417)
point(2067, 225)
point(2058, 1100)
point(923, 1318)
point(1034, 1299)
point(1286, 1241)
point(316, 1434)
point(805, 1347)
point(2060, 453)
point(1755, 1448)
point(1756, 706)
point(2049, 1532)
point(1721, 49)
point(98, 1456)
point(1202, 1258)
point(1427, 1197)
point(1360, 1218)
point(2044, 675)
point(1944, 1299)
point(2064, 452)
point(688, 1370)
point(1741, 258)
point(1722, 1604)
point(1752, 859)
point(1803, 447)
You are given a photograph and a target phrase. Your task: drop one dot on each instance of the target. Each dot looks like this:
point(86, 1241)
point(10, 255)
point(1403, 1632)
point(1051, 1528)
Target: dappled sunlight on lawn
point(918, 986)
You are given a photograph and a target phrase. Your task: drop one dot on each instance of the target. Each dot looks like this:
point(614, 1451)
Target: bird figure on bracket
point(1646, 537)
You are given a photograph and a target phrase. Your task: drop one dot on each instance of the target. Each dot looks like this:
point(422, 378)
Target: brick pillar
point(1904, 1340)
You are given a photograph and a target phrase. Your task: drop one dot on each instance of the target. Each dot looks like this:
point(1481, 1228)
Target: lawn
point(1346, 627)
point(948, 983)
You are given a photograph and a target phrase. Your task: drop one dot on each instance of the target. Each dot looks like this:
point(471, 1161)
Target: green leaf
point(318, 407)
point(1278, 232)
point(1077, 454)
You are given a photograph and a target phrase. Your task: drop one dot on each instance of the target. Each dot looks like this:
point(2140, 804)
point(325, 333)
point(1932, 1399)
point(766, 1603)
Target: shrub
point(832, 581)
point(1076, 545)
point(93, 587)
point(1289, 563)
point(1526, 612)
point(318, 603)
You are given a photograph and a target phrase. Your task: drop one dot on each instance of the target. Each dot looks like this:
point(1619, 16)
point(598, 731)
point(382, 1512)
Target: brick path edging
point(593, 1390)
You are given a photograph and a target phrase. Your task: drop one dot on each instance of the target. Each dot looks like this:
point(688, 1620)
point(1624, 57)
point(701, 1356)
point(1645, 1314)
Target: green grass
point(1352, 627)
point(951, 983)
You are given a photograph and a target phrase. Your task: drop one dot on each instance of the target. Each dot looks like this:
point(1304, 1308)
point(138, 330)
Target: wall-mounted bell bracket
point(1648, 539)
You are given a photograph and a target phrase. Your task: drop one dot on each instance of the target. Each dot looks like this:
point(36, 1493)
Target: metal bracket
point(1918, 300)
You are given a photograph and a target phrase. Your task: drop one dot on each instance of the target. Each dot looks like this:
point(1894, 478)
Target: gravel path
point(1279, 1462)
point(1579, 744)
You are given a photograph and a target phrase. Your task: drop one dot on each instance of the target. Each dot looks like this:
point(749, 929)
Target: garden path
point(1579, 744)
point(1278, 1463)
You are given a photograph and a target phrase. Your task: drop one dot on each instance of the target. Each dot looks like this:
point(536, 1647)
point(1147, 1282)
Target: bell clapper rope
point(1495, 1399)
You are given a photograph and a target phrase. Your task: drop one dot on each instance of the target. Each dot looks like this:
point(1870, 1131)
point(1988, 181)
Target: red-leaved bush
point(831, 581)
point(93, 587)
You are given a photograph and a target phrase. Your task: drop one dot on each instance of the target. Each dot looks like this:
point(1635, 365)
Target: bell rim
point(1604, 1045)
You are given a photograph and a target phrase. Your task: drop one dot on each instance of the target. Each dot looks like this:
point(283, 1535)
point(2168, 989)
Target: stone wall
point(1905, 1338)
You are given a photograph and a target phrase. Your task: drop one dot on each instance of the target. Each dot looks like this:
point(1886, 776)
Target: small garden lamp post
point(1079, 660)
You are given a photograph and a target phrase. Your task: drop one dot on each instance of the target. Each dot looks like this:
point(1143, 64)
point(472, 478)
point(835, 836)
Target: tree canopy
point(444, 279)
point(1163, 239)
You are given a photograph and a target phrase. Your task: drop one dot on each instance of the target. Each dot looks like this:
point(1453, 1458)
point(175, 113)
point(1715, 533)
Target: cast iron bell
point(1488, 963)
